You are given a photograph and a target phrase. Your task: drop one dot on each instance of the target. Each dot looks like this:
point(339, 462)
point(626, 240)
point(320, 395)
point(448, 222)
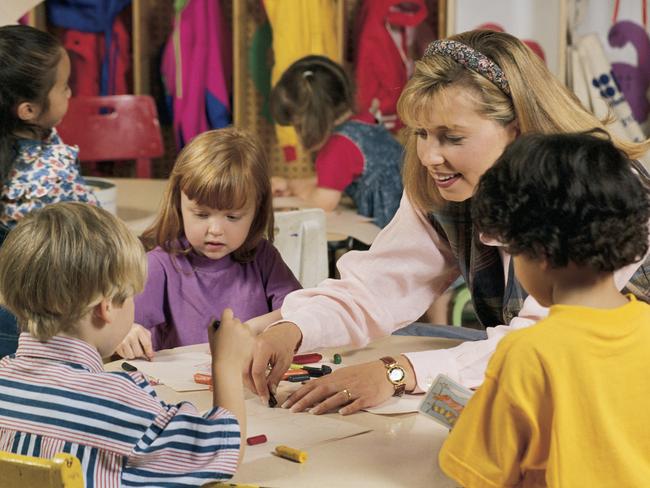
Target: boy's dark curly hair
point(567, 198)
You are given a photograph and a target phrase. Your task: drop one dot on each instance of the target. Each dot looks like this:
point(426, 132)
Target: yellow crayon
point(290, 453)
point(295, 366)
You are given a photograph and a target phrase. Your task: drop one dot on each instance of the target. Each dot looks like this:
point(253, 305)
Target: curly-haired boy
point(565, 402)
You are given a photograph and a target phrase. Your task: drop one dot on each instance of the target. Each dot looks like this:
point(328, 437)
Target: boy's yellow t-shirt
point(565, 403)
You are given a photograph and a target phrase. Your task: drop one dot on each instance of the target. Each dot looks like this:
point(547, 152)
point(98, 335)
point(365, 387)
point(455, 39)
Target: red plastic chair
point(114, 128)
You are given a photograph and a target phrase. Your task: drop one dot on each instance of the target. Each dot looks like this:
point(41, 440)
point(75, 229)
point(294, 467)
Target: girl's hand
point(275, 347)
point(280, 187)
point(230, 343)
point(136, 344)
point(347, 390)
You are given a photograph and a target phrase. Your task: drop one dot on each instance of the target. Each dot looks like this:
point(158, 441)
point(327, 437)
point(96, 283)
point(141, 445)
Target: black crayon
point(298, 377)
point(128, 367)
point(313, 372)
point(272, 400)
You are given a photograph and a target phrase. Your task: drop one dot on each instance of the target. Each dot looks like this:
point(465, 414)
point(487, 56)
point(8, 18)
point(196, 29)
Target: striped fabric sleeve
point(639, 283)
point(183, 448)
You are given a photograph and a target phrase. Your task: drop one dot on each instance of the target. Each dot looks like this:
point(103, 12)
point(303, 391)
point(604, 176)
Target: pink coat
point(199, 82)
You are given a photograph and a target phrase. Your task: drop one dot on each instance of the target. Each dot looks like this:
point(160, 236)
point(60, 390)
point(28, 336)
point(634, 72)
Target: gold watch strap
point(399, 388)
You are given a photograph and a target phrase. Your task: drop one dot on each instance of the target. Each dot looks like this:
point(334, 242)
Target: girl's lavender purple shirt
point(183, 292)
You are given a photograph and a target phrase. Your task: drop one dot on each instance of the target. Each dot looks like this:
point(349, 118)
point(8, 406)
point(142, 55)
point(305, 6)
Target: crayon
point(290, 453)
point(202, 378)
point(313, 371)
point(313, 357)
point(256, 439)
point(128, 367)
point(298, 378)
point(132, 369)
point(337, 359)
point(294, 372)
point(272, 400)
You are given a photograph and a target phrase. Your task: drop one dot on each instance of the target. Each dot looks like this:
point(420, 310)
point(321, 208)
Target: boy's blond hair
point(61, 260)
point(224, 169)
point(538, 102)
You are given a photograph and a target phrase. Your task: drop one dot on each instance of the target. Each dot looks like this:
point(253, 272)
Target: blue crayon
point(298, 377)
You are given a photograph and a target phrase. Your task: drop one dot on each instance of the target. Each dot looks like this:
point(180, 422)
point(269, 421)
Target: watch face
point(396, 375)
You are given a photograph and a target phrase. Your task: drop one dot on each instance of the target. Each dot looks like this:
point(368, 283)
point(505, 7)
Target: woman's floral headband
point(470, 59)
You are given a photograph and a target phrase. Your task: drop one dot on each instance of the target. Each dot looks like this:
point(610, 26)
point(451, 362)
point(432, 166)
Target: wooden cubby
point(151, 24)
point(247, 18)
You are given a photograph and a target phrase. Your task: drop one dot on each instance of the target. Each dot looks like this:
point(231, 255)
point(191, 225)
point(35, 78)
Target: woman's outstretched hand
point(347, 390)
point(273, 348)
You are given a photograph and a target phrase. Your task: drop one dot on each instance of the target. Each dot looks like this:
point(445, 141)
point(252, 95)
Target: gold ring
point(347, 393)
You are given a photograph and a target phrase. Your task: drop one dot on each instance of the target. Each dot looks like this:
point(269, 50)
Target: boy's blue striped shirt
point(56, 397)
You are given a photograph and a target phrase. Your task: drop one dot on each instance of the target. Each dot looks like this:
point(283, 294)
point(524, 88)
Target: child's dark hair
point(310, 95)
point(28, 61)
point(566, 198)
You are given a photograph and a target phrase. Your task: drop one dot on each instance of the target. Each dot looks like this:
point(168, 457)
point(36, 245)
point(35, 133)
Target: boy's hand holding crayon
point(231, 342)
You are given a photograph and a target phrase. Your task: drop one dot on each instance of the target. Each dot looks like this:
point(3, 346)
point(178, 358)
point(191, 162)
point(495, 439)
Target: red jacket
point(380, 70)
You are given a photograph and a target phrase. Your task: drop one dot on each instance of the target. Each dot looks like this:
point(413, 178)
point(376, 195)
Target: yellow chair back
point(62, 471)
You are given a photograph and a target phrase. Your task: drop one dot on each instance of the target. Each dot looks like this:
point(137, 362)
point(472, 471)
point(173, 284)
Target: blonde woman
point(470, 96)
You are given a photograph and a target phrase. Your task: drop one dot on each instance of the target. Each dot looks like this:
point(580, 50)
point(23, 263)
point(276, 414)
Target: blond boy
point(69, 273)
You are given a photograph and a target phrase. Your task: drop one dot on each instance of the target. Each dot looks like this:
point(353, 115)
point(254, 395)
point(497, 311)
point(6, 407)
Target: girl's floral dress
point(44, 172)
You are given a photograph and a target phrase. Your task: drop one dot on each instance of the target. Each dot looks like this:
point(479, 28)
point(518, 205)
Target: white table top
point(138, 200)
point(400, 450)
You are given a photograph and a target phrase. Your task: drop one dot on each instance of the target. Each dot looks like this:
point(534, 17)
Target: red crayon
point(256, 439)
point(202, 378)
point(313, 357)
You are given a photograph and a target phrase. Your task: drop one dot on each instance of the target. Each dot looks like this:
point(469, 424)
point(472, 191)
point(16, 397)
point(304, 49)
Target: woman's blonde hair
point(538, 102)
point(222, 169)
point(62, 260)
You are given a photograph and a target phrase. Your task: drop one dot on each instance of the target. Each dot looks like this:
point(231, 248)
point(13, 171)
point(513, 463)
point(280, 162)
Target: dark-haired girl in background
point(354, 155)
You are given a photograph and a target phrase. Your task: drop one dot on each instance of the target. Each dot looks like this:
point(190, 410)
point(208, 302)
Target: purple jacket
point(183, 293)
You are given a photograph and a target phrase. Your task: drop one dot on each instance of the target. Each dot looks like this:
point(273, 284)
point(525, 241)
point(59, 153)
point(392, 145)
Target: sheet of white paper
point(394, 405)
point(176, 370)
point(12, 10)
point(297, 430)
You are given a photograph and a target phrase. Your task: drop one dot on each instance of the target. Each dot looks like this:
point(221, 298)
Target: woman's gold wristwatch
point(395, 374)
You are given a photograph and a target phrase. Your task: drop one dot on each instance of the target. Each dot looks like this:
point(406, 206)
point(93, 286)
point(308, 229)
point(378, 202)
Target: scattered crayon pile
point(296, 373)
